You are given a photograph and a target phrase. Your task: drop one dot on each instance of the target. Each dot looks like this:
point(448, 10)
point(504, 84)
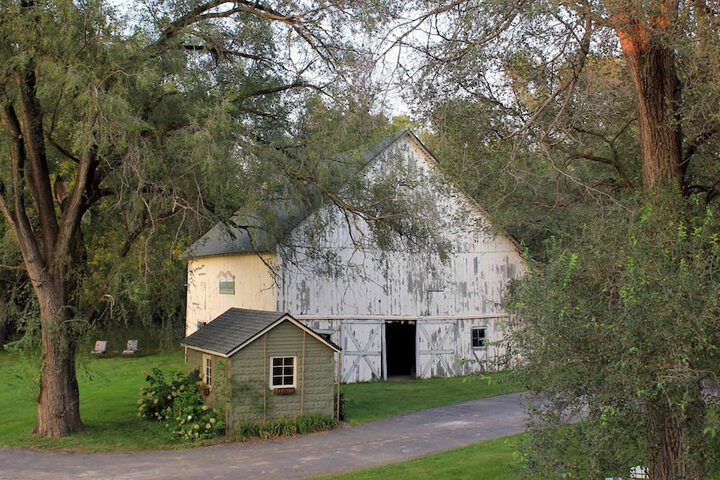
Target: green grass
point(490, 460)
point(108, 400)
point(365, 402)
point(109, 392)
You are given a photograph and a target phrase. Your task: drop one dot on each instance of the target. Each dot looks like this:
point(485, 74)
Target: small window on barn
point(208, 370)
point(226, 283)
point(478, 338)
point(283, 372)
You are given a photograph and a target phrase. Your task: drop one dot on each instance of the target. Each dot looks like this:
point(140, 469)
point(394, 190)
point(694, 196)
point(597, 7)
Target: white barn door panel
point(362, 352)
point(436, 356)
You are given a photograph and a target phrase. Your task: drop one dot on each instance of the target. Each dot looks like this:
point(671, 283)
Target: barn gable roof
point(246, 234)
point(252, 237)
point(238, 327)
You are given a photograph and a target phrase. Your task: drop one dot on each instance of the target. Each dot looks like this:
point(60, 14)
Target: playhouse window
point(208, 370)
point(283, 372)
point(478, 338)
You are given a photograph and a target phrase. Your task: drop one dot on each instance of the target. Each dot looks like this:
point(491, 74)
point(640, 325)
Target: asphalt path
point(343, 449)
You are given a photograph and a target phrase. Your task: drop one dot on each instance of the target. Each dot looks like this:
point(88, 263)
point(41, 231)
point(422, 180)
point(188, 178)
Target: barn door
point(362, 342)
point(436, 348)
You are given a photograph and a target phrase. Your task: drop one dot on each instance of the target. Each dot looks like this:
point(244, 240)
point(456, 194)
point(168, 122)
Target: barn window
point(478, 338)
point(283, 372)
point(208, 370)
point(226, 283)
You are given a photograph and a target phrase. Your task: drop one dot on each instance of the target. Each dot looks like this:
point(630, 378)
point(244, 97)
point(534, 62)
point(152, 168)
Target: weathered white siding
point(253, 285)
point(443, 346)
point(372, 282)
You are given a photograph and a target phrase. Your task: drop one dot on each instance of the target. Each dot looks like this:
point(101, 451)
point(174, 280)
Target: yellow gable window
point(226, 283)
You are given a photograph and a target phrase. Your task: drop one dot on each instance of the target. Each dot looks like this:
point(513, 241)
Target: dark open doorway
point(400, 348)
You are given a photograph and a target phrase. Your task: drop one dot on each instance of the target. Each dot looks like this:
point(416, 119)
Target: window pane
point(226, 288)
point(478, 337)
point(283, 371)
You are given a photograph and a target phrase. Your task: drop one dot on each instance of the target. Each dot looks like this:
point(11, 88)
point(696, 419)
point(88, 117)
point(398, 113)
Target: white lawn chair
point(131, 348)
point(639, 473)
point(100, 348)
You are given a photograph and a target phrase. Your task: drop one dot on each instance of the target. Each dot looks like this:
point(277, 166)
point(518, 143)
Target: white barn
point(393, 312)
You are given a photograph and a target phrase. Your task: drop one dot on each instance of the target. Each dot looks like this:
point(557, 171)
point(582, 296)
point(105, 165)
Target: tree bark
point(658, 92)
point(4, 320)
point(672, 454)
point(59, 396)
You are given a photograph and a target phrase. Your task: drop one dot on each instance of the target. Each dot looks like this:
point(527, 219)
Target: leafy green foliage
point(620, 329)
point(286, 427)
point(156, 399)
point(175, 400)
point(192, 419)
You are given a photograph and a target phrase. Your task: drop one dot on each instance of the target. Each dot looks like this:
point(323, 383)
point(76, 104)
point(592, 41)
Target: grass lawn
point(490, 460)
point(109, 393)
point(108, 399)
point(365, 402)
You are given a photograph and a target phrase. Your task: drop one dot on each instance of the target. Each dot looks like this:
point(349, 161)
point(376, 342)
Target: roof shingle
point(231, 329)
point(236, 326)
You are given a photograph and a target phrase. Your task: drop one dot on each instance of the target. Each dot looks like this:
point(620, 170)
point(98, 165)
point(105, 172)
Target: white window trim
point(205, 358)
point(294, 384)
point(485, 338)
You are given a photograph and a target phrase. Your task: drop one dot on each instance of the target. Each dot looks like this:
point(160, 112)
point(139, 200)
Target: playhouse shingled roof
point(238, 327)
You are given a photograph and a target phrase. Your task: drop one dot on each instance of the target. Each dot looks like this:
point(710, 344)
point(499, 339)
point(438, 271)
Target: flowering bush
point(175, 399)
point(159, 396)
point(193, 420)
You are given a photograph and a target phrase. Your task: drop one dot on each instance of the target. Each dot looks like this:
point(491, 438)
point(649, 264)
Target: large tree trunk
point(59, 397)
point(673, 455)
point(3, 324)
point(658, 91)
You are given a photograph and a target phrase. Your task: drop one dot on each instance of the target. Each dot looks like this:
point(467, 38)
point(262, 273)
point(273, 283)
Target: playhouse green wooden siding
point(194, 360)
point(249, 395)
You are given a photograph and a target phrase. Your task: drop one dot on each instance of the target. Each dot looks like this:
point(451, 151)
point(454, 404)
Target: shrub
point(159, 396)
point(286, 427)
point(192, 419)
point(175, 399)
point(314, 422)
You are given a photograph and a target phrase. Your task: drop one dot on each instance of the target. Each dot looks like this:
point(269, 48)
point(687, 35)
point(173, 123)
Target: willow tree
point(114, 121)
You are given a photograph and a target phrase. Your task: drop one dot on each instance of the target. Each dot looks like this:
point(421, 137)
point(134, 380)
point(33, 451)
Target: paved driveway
point(385, 441)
